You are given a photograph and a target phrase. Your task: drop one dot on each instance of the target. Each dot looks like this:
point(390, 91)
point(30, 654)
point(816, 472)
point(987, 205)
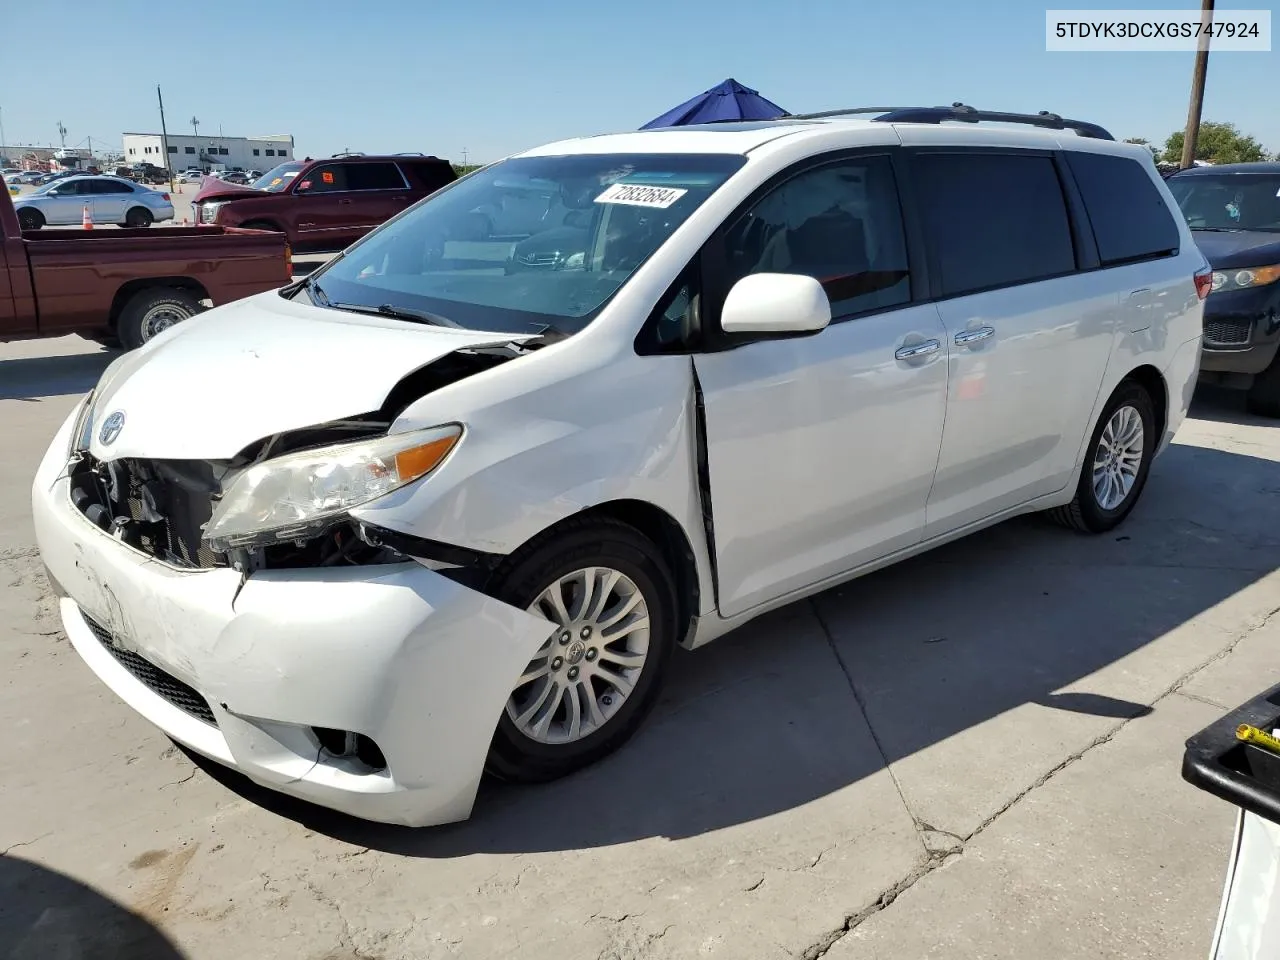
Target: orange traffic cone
point(86, 220)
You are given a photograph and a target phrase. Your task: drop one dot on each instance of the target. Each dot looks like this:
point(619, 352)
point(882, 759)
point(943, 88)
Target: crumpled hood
point(208, 387)
point(212, 188)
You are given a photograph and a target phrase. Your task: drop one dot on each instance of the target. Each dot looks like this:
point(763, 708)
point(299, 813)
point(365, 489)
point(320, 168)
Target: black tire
point(581, 543)
point(1264, 396)
point(138, 217)
point(136, 324)
point(1084, 513)
point(29, 219)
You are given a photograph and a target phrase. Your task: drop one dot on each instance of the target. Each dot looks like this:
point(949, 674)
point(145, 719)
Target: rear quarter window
point(429, 174)
point(374, 176)
point(1129, 216)
point(993, 220)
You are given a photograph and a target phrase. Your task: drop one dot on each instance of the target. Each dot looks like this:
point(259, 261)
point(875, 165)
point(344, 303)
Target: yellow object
point(1258, 738)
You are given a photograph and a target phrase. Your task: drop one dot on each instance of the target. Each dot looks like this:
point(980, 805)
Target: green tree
point(1144, 142)
point(1218, 143)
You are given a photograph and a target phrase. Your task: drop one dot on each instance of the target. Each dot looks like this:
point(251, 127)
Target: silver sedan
point(109, 199)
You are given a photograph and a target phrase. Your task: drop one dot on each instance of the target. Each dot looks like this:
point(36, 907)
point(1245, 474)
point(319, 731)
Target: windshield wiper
point(398, 313)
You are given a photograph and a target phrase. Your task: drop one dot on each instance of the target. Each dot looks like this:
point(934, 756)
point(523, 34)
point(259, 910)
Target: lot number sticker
point(640, 195)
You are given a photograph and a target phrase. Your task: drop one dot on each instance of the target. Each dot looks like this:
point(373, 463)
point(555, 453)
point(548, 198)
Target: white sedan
point(109, 199)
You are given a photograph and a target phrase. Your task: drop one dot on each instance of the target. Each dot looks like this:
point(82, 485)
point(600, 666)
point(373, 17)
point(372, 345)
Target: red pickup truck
point(127, 285)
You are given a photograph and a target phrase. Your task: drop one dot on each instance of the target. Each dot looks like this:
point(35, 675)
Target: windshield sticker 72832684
point(641, 195)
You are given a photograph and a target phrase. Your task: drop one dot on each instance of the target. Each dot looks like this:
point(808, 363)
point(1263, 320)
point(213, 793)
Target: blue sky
point(491, 78)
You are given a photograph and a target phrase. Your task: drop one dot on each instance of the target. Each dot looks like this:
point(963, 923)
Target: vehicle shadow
point(767, 719)
point(1225, 406)
point(36, 378)
point(46, 915)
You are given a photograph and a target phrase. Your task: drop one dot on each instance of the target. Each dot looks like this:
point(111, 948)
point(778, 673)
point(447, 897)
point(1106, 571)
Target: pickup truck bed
point(127, 284)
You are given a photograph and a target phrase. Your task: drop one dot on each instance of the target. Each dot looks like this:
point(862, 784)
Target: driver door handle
point(914, 350)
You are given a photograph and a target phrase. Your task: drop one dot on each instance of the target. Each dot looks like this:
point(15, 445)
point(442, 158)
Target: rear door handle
point(974, 336)
point(399, 198)
point(344, 200)
point(917, 350)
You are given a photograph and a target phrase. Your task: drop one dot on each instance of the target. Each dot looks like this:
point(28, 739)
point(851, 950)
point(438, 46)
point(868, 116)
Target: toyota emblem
point(111, 428)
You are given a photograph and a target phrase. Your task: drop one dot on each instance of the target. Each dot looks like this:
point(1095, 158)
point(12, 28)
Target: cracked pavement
point(973, 754)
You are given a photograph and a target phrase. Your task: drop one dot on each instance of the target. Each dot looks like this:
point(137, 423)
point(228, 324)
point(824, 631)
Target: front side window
point(528, 245)
point(993, 220)
point(1229, 201)
point(840, 224)
point(328, 178)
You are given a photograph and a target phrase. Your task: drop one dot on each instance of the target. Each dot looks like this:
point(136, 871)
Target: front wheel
point(29, 219)
point(1116, 464)
point(612, 603)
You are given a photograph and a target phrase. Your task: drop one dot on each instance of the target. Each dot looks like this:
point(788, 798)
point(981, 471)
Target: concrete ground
point(974, 754)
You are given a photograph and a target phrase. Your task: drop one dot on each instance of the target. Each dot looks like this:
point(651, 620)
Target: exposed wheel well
point(1151, 380)
point(662, 529)
point(127, 290)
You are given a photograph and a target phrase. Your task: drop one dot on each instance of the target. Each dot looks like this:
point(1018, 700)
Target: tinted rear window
point(432, 174)
point(1129, 216)
point(374, 176)
point(994, 220)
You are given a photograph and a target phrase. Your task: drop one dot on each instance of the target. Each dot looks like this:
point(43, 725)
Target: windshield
point(1229, 201)
point(278, 178)
point(528, 244)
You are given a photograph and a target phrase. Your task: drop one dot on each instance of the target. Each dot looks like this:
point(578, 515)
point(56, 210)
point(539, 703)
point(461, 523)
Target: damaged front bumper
point(272, 674)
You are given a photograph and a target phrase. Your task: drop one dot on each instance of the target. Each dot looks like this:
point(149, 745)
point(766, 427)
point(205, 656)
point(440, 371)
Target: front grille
point(164, 685)
point(1228, 332)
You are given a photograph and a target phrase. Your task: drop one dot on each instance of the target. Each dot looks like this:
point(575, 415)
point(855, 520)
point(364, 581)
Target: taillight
point(164, 196)
point(1204, 282)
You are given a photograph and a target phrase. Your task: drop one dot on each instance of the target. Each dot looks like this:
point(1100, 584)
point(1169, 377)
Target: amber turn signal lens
point(417, 461)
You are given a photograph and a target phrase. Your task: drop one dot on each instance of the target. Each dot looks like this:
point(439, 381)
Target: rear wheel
point(150, 312)
point(138, 217)
point(29, 219)
point(612, 606)
point(1264, 395)
point(1116, 465)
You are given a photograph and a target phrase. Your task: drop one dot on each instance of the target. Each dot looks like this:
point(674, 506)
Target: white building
point(208, 152)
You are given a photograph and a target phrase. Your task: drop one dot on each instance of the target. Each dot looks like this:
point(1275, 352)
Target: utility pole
point(195, 126)
point(464, 158)
point(1192, 133)
point(62, 132)
point(164, 138)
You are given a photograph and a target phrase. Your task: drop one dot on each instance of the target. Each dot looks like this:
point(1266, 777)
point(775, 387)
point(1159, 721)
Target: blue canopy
point(726, 101)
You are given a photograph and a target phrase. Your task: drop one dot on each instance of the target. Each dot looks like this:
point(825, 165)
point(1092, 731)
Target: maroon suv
point(324, 204)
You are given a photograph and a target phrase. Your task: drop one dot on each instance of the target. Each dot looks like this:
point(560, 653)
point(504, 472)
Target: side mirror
point(776, 303)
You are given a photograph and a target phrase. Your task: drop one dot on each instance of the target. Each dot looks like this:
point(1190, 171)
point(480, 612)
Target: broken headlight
point(295, 496)
point(82, 432)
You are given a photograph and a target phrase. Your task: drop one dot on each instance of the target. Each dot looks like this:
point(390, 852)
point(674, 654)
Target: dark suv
point(1234, 214)
point(324, 204)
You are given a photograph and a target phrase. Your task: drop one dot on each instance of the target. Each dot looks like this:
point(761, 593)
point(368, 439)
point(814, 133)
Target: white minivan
point(449, 504)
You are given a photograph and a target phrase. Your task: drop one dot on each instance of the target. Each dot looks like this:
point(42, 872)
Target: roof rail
point(352, 153)
point(965, 113)
point(411, 153)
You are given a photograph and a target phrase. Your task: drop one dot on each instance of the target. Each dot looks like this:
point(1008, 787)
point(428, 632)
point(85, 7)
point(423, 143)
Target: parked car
point(1234, 213)
point(32, 176)
point(109, 199)
point(418, 515)
point(126, 285)
point(231, 176)
point(149, 173)
point(324, 204)
point(254, 175)
point(192, 176)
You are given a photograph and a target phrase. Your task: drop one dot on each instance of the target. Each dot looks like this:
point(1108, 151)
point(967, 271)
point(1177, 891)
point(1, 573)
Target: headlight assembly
point(1242, 278)
point(297, 495)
